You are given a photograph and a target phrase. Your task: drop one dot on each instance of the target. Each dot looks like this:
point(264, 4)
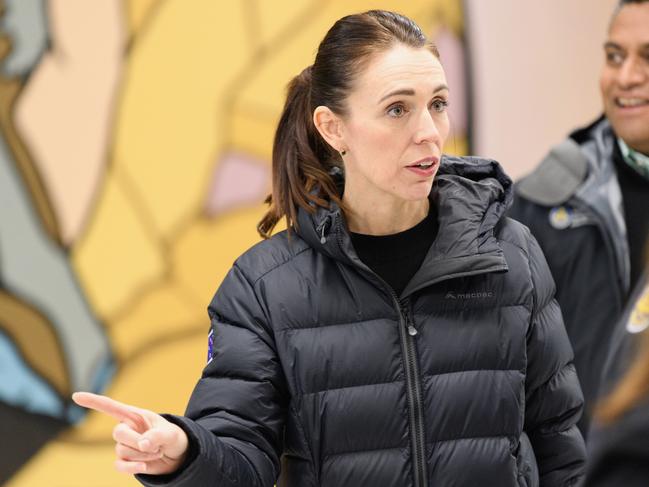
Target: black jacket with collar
point(322, 376)
point(572, 203)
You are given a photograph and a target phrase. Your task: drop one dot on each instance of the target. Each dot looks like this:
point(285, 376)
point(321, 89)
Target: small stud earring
point(343, 152)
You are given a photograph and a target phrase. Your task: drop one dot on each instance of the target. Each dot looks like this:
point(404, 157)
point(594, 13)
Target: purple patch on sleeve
point(210, 346)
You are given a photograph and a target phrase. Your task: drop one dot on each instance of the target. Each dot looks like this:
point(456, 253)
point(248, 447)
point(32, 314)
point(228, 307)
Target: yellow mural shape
point(119, 255)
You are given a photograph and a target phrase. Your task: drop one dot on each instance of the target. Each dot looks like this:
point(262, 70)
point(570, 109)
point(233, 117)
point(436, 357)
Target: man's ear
point(330, 127)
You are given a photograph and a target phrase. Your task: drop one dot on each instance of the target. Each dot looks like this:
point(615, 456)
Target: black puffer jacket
point(464, 380)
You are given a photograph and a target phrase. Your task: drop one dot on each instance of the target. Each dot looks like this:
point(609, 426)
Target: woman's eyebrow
point(411, 92)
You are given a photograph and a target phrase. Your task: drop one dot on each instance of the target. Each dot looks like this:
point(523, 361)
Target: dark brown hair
point(302, 160)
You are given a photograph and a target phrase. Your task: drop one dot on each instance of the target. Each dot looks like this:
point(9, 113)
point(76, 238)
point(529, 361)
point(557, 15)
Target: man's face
point(624, 80)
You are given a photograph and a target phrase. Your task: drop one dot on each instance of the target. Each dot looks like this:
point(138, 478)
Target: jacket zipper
point(407, 332)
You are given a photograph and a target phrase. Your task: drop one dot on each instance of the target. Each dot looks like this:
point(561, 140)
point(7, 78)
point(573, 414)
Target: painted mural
point(135, 140)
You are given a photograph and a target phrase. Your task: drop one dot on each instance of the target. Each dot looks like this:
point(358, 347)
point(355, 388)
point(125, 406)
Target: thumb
point(167, 438)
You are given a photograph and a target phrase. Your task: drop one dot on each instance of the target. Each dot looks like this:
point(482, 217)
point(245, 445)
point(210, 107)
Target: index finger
point(120, 411)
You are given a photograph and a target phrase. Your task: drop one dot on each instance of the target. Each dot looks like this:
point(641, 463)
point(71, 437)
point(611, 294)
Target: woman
point(402, 332)
point(620, 449)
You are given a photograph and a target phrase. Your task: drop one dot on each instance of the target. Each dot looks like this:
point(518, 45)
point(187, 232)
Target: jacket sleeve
point(236, 414)
point(554, 400)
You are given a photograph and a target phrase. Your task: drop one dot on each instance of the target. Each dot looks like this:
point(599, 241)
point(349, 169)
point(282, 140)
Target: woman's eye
point(396, 111)
point(439, 105)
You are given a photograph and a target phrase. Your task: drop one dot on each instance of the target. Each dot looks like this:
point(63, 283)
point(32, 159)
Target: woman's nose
point(427, 130)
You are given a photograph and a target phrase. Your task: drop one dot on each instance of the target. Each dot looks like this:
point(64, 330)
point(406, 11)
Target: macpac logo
point(479, 295)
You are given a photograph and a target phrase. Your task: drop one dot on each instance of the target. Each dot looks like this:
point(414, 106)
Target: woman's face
point(396, 125)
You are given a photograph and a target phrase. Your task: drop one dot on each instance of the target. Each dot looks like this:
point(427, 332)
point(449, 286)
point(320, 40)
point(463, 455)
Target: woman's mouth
point(424, 167)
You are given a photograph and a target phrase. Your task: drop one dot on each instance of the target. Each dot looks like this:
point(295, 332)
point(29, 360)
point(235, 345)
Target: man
point(587, 203)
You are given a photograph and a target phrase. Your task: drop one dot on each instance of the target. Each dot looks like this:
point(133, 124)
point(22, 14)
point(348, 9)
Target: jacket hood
point(471, 195)
point(581, 159)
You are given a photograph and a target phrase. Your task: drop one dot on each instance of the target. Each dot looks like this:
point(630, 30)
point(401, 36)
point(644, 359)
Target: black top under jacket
point(322, 376)
point(395, 258)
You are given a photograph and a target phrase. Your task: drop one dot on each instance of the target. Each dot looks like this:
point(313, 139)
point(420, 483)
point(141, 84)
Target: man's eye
point(396, 111)
point(614, 58)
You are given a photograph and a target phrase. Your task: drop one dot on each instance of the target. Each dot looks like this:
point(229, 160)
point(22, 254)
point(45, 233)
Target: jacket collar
point(471, 194)
point(583, 158)
point(557, 178)
point(601, 192)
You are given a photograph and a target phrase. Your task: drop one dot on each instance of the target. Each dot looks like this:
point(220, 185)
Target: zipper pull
point(323, 229)
point(412, 331)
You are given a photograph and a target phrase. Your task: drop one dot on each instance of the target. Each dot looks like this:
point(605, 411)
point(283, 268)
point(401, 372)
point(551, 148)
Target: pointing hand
point(145, 441)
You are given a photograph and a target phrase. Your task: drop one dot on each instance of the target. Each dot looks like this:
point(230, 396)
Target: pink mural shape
point(453, 59)
point(238, 180)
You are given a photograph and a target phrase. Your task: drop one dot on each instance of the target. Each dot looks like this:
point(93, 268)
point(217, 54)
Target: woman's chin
point(418, 191)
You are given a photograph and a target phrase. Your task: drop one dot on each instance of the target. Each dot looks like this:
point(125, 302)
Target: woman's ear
point(330, 127)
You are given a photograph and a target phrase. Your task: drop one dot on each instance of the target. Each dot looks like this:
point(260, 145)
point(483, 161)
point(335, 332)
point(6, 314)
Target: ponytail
point(302, 161)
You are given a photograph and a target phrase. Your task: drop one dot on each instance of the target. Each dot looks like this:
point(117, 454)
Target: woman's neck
point(384, 217)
